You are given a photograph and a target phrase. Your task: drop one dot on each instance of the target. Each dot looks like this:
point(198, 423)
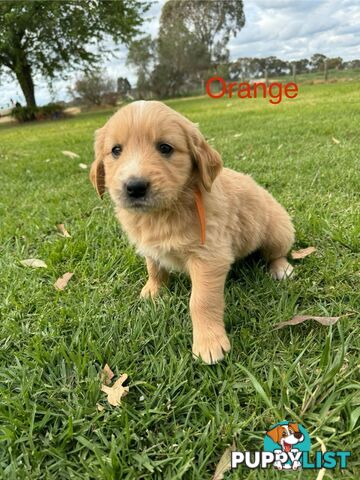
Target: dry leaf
point(106, 375)
point(302, 253)
point(61, 229)
point(34, 263)
point(83, 166)
point(67, 153)
point(117, 391)
point(303, 318)
point(224, 464)
point(61, 282)
point(335, 140)
point(100, 407)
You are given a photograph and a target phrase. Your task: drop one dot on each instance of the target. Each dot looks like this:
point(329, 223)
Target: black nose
point(137, 187)
point(297, 435)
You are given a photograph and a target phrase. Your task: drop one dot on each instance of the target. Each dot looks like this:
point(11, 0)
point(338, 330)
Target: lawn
point(180, 415)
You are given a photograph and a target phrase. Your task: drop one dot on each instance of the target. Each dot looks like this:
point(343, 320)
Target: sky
point(288, 29)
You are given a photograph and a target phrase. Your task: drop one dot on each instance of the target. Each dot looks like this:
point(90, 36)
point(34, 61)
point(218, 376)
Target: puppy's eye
point(284, 434)
point(165, 149)
point(116, 151)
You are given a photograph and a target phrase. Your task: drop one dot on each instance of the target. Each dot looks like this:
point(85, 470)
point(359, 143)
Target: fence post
point(325, 70)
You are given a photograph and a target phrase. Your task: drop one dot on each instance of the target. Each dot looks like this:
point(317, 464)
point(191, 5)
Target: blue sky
point(289, 29)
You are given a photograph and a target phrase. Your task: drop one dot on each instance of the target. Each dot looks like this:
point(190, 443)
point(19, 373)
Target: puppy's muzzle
point(136, 188)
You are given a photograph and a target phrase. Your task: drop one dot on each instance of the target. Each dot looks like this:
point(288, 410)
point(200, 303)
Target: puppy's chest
point(167, 258)
point(169, 244)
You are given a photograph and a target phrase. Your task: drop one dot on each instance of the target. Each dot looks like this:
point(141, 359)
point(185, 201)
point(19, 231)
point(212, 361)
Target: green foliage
point(24, 114)
point(95, 88)
point(180, 415)
point(51, 37)
point(192, 41)
point(47, 112)
point(141, 55)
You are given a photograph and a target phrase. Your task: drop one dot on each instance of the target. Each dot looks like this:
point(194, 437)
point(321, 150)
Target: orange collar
point(201, 213)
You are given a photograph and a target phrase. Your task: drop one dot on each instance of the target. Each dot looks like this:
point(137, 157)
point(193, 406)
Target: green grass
point(180, 415)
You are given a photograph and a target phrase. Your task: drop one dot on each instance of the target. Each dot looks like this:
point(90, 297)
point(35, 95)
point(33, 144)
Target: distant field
point(333, 75)
point(179, 415)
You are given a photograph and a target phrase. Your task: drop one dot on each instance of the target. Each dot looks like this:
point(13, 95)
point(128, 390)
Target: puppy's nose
point(297, 435)
point(137, 187)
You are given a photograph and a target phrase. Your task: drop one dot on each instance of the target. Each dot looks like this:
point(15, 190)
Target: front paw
point(210, 346)
point(150, 290)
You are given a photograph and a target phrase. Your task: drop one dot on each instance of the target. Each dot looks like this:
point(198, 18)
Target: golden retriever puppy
point(183, 211)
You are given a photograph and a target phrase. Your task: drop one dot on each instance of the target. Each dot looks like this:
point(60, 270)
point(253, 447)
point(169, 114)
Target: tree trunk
point(23, 74)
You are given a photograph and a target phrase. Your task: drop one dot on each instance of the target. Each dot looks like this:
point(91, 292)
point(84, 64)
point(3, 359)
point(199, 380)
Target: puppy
point(183, 211)
point(286, 436)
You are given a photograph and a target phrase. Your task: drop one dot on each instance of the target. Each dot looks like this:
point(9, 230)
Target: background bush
point(51, 111)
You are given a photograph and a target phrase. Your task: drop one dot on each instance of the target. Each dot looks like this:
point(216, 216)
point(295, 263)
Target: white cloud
point(298, 29)
point(289, 29)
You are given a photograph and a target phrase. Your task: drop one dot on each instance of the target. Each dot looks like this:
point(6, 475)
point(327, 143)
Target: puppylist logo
point(287, 447)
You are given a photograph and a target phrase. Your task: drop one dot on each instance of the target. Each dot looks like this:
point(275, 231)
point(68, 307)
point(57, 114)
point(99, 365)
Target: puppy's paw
point(210, 347)
point(281, 269)
point(150, 290)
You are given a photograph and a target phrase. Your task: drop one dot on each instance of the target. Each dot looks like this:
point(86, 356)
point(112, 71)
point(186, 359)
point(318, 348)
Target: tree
point(317, 62)
point(210, 22)
point(181, 58)
point(141, 55)
point(336, 62)
point(192, 41)
point(123, 86)
point(302, 66)
point(351, 64)
point(47, 37)
point(94, 88)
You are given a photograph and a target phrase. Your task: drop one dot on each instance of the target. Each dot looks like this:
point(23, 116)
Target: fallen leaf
point(335, 140)
point(67, 153)
point(302, 253)
point(224, 464)
point(33, 263)
point(303, 318)
point(61, 229)
point(106, 375)
point(100, 407)
point(61, 282)
point(117, 391)
point(83, 166)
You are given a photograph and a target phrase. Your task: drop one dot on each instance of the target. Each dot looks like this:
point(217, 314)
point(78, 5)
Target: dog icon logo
point(287, 440)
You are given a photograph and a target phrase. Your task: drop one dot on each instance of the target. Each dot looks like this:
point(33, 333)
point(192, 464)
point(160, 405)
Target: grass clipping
point(224, 464)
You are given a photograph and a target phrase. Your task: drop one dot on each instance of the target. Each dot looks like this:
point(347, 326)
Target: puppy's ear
point(206, 159)
point(97, 170)
point(295, 427)
point(274, 434)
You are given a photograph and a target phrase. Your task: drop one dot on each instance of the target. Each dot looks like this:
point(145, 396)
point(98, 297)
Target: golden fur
point(241, 216)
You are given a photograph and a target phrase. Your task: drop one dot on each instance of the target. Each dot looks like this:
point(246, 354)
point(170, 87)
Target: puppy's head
point(147, 155)
point(286, 435)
